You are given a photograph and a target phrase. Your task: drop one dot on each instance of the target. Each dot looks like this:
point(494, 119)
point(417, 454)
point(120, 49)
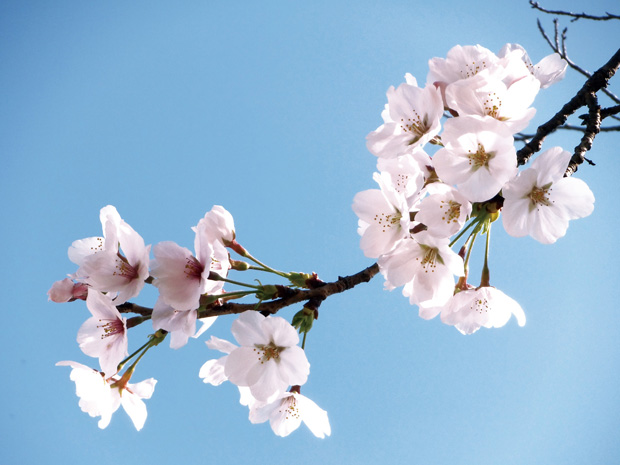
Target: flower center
point(416, 126)
point(480, 158)
point(452, 211)
point(430, 259)
point(111, 328)
point(493, 105)
point(289, 408)
point(480, 305)
point(386, 221)
point(473, 68)
point(193, 268)
point(124, 269)
point(268, 352)
point(540, 196)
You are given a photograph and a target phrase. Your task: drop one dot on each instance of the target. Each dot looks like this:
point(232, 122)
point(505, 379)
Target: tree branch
point(290, 296)
point(592, 129)
point(560, 48)
point(596, 82)
point(574, 16)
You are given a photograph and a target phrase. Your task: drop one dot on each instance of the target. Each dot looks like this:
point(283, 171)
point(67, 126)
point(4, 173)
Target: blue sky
point(165, 110)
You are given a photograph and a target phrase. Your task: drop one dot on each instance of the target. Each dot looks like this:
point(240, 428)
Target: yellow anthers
point(387, 221)
point(452, 212)
point(416, 126)
point(268, 352)
point(493, 105)
point(473, 69)
point(429, 261)
point(539, 196)
point(480, 158)
point(193, 268)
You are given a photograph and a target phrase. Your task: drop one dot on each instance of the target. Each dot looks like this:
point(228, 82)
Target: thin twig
point(575, 16)
point(595, 83)
point(560, 48)
point(291, 296)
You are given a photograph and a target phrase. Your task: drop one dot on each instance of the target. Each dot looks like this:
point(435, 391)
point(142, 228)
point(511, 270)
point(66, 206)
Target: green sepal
point(303, 320)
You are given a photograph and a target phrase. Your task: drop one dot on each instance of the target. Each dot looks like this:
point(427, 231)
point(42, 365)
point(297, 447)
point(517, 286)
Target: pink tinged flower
point(104, 335)
point(67, 291)
point(406, 173)
point(212, 372)
point(479, 156)
point(444, 213)
point(286, 413)
point(486, 306)
point(461, 62)
point(548, 71)
point(269, 359)
point(487, 95)
point(110, 223)
point(104, 267)
point(181, 324)
point(102, 397)
point(383, 217)
point(426, 266)
point(220, 224)
point(94, 392)
point(182, 277)
point(540, 201)
point(412, 119)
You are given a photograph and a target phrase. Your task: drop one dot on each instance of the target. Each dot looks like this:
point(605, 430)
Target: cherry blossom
point(181, 324)
point(101, 397)
point(286, 413)
point(103, 267)
point(212, 372)
point(485, 94)
point(486, 306)
point(548, 71)
point(182, 277)
point(220, 224)
point(94, 392)
point(406, 174)
point(110, 223)
point(444, 213)
point(383, 217)
point(411, 120)
point(269, 359)
point(66, 291)
point(130, 397)
point(426, 266)
point(479, 156)
point(104, 335)
point(541, 201)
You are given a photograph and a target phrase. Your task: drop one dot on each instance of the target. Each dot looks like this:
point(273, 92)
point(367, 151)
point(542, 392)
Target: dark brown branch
point(128, 307)
point(521, 137)
point(298, 295)
point(292, 296)
point(592, 129)
point(595, 83)
point(574, 16)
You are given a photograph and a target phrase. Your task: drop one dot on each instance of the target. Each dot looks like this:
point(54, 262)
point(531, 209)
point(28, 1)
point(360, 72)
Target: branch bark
point(595, 83)
point(290, 296)
point(574, 16)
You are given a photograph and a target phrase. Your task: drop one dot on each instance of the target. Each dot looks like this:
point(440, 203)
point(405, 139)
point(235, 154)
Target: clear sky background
point(165, 109)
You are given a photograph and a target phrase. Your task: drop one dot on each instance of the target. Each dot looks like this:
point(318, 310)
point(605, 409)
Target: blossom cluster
point(114, 268)
point(472, 105)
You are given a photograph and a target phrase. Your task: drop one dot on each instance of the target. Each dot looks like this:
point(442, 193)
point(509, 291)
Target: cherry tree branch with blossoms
point(447, 170)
